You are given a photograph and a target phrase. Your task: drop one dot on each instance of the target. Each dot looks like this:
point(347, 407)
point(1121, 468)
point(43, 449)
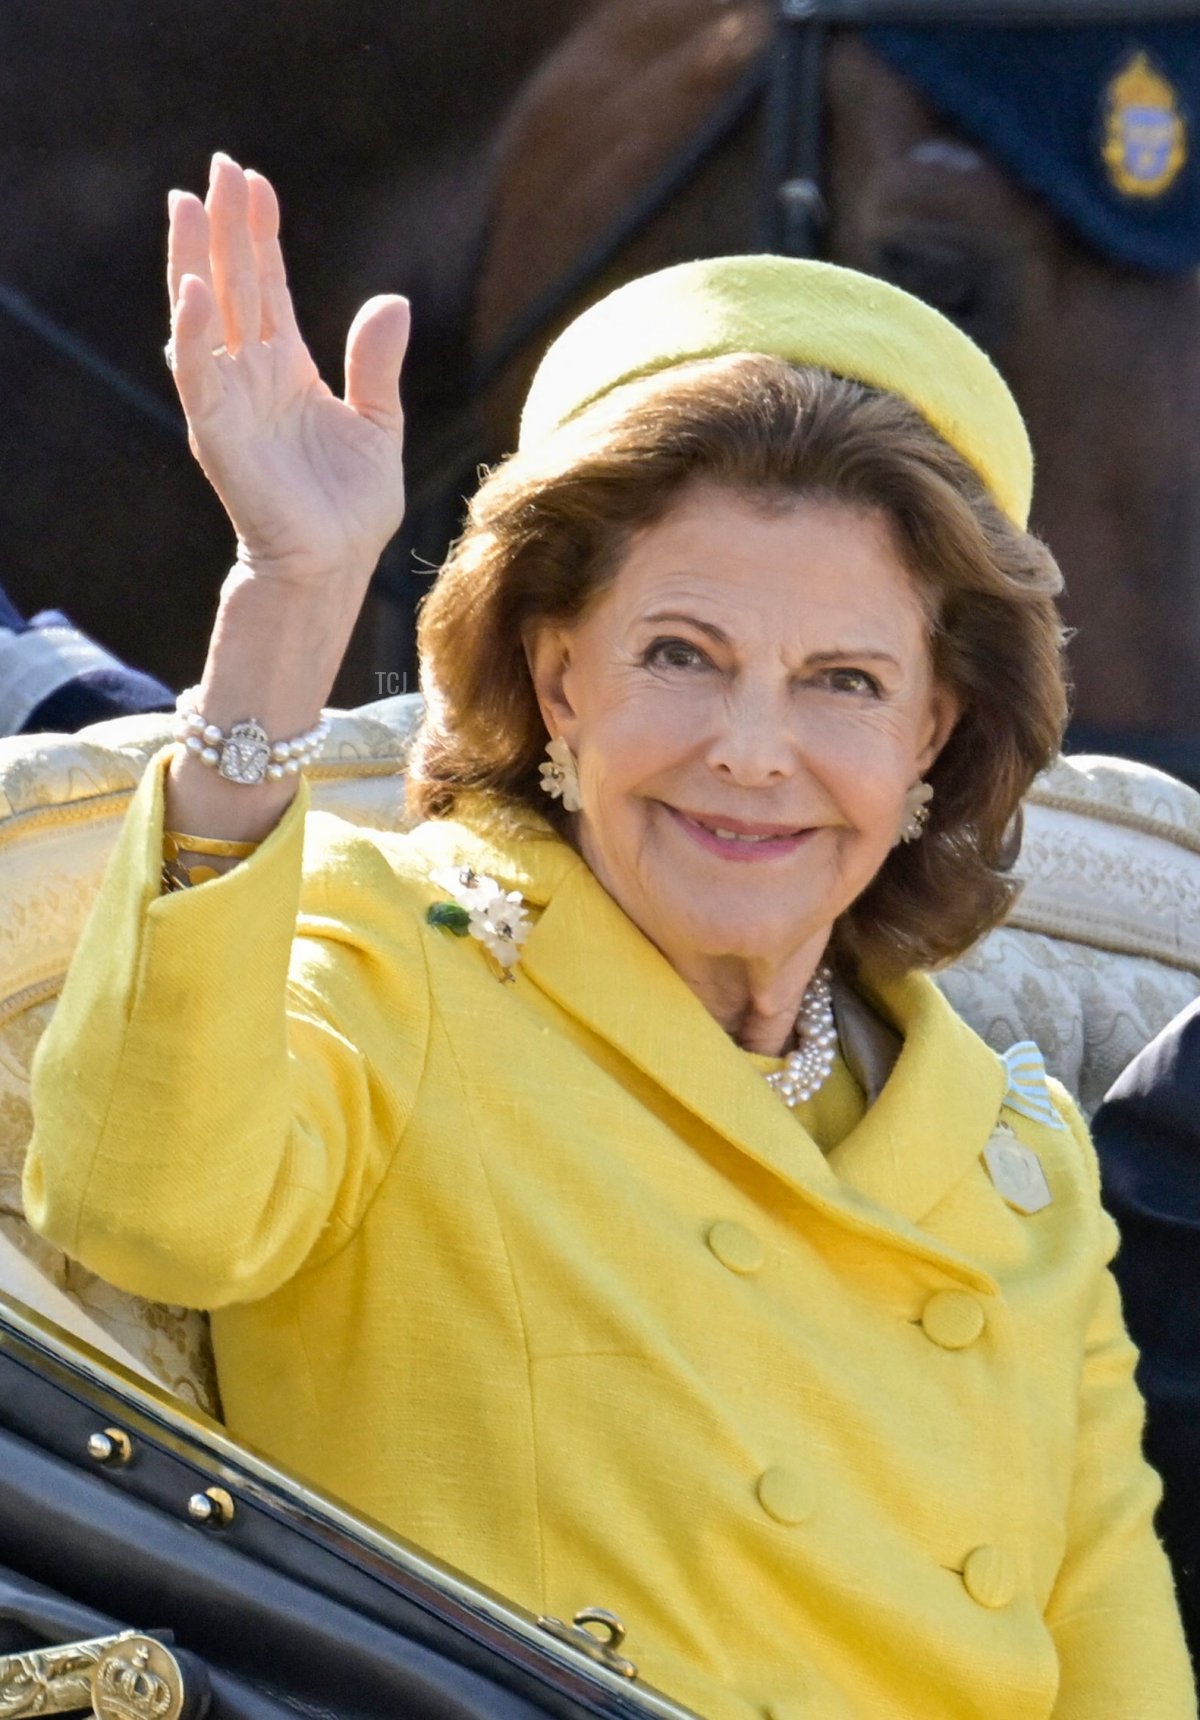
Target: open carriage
point(123, 1504)
point(149, 1566)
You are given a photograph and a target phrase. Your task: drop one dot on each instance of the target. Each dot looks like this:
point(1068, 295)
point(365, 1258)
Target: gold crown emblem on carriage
point(1145, 132)
point(137, 1679)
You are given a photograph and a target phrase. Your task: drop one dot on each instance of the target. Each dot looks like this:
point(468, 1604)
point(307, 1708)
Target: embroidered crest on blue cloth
point(1098, 120)
point(1027, 1091)
point(1145, 136)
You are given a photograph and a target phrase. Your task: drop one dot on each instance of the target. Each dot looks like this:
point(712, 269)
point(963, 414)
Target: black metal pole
point(794, 216)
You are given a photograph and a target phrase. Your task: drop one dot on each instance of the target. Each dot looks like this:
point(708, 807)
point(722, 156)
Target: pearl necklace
point(807, 1068)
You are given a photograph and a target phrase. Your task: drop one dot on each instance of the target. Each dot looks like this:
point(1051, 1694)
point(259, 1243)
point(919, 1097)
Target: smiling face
point(748, 702)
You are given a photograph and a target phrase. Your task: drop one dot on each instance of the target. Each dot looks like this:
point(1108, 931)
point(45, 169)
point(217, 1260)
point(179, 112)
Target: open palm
point(312, 484)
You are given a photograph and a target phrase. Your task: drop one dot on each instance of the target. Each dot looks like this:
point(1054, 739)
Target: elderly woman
point(590, 1184)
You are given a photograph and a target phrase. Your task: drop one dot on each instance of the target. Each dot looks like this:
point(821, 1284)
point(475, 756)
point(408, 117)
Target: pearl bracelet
point(245, 754)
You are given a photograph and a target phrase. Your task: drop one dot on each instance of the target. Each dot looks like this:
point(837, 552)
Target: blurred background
point(1032, 169)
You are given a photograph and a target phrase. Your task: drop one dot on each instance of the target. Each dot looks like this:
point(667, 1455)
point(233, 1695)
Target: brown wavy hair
point(547, 531)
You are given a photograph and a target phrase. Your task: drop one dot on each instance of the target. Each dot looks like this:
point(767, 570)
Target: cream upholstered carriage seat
point(1103, 949)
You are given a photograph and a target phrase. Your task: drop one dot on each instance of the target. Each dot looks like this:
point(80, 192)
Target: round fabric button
point(990, 1576)
point(953, 1319)
point(785, 1495)
point(736, 1247)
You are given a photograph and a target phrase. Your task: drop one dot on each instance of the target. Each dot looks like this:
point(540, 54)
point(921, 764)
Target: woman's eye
point(674, 654)
point(854, 681)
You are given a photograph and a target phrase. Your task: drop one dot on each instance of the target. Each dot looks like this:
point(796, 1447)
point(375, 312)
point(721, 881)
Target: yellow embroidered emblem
point(1145, 132)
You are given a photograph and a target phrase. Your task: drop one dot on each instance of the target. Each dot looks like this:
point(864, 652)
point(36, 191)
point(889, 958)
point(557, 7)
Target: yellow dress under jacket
point(545, 1276)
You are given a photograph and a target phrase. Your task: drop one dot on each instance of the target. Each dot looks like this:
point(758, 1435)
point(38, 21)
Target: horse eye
point(957, 277)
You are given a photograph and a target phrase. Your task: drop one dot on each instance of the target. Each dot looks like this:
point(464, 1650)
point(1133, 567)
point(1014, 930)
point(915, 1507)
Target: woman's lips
point(734, 839)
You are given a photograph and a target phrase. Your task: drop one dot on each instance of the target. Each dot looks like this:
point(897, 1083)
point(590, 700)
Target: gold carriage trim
point(1145, 131)
point(125, 1677)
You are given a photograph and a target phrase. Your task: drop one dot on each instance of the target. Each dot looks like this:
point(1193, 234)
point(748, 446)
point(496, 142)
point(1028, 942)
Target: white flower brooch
point(481, 909)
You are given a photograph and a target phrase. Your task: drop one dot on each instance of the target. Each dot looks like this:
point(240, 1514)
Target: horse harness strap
point(794, 208)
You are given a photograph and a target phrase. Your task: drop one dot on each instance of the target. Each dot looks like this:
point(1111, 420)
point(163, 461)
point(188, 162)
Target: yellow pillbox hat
point(804, 312)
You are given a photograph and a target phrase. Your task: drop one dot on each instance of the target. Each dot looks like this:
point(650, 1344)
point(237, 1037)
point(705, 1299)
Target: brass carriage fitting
point(125, 1677)
point(113, 1447)
point(213, 1508)
point(578, 1636)
point(138, 1678)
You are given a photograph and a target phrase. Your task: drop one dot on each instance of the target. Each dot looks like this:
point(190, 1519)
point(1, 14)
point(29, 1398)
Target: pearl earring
point(916, 812)
point(560, 778)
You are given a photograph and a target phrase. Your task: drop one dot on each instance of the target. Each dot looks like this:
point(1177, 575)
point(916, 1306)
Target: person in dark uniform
point(1147, 1133)
point(53, 677)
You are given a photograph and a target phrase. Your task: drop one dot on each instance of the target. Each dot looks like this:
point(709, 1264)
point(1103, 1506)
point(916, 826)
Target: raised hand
point(313, 485)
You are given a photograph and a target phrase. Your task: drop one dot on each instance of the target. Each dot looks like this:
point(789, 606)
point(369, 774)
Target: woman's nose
point(752, 745)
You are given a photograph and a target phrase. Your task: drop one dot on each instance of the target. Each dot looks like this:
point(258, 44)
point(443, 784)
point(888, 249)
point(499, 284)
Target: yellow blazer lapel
point(933, 1118)
point(592, 960)
point(588, 956)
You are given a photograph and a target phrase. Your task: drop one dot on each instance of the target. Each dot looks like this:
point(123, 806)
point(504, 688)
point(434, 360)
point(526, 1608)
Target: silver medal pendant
point(246, 753)
point(1017, 1172)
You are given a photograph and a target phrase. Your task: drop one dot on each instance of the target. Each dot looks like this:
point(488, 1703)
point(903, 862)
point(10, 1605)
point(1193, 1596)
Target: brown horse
point(1105, 361)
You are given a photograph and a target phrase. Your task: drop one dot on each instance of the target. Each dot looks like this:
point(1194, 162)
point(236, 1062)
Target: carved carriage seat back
point(1102, 951)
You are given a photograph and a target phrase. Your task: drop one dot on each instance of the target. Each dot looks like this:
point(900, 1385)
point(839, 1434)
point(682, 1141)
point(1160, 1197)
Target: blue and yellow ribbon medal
point(1145, 143)
point(1014, 1168)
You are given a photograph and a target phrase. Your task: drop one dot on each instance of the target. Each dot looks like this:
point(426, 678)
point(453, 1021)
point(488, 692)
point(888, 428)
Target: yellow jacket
point(543, 1275)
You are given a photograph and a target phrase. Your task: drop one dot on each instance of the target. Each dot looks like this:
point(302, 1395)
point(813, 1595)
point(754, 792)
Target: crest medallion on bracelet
point(246, 753)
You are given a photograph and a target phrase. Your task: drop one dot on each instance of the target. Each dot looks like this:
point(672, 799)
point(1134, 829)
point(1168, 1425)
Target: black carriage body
point(123, 1511)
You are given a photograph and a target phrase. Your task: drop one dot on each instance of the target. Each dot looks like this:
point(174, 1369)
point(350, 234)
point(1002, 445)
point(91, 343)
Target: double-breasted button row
point(784, 1494)
point(953, 1319)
